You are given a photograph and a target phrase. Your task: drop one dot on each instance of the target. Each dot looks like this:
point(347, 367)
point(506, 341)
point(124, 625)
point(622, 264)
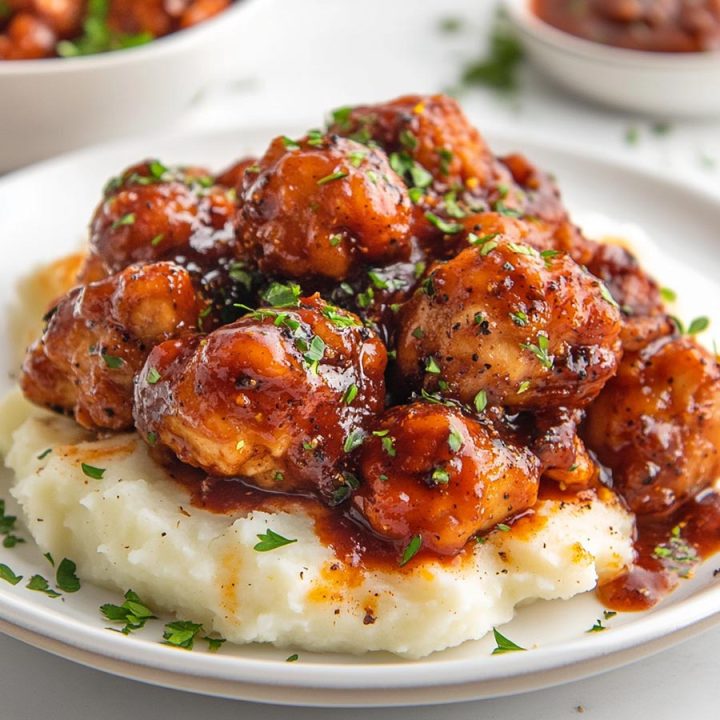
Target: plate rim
point(667, 622)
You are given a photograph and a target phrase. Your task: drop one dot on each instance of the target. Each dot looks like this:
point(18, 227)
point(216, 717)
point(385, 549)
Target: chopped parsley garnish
point(315, 138)
point(449, 228)
point(98, 36)
point(315, 353)
point(431, 366)
point(44, 454)
point(8, 575)
point(271, 541)
point(289, 143)
point(606, 295)
point(698, 325)
point(407, 139)
point(350, 482)
point(335, 240)
point(157, 240)
point(677, 554)
point(151, 438)
point(548, 255)
point(504, 644)
point(503, 527)
point(415, 194)
point(499, 206)
point(292, 658)
point(93, 472)
point(519, 318)
point(597, 627)
point(214, 644)
point(279, 295)
point(440, 476)
point(388, 444)
point(39, 584)
point(476, 240)
point(418, 333)
point(540, 350)
point(339, 175)
point(451, 206)
point(340, 319)
point(133, 613)
point(113, 361)
point(667, 294)
point(7, 528)
point(377, 281)
point(354, 440)
point(480, 401)
point(181, 633)
point(356, 158)
point(411, 549)
point(153, 376)
point(523, 387)
point(350, 394)
point(127, 219)
point(499, 68)
point(341, 117)
point(488, 247)
point(455, 439)
point(445, 157)
point(65, 577)
point(49, 558)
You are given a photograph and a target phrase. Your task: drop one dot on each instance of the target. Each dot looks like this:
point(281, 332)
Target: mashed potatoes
point(135, 528)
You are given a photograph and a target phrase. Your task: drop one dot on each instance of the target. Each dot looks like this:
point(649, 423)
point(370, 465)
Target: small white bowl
point(56, 104)
point(659, 84)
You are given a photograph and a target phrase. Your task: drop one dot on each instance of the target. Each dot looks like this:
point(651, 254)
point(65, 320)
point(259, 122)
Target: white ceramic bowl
point(52, 105)
point(658, 84)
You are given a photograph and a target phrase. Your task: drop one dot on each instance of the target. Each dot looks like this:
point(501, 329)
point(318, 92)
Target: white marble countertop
point(310, 56)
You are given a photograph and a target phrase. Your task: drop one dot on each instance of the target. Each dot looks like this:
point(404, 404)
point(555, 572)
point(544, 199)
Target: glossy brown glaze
point(151, 213)
point(668, 26)
point(320, 204)
point(431, 471)
point(668, 550)
point(530, 332)
point(656, 425)
point(274, 397)
point(98, 337)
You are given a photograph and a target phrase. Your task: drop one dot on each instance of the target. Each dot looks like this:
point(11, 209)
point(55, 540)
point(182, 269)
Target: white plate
point(44, 212)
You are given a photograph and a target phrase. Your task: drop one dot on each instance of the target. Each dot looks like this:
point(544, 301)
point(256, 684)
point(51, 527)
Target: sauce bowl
point(651, 83)
point(51, 105)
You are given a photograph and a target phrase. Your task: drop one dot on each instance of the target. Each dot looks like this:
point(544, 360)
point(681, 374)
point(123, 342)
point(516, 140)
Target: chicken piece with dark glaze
point(98, 337)
point(449, 168)
point(430, 471)
point(278, 397)
point(154, 213)
point(319, 206)
point(656, 425)
point(525, 331)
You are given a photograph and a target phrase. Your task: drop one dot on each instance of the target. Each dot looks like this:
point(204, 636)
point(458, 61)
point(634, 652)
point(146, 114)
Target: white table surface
point(312, 55)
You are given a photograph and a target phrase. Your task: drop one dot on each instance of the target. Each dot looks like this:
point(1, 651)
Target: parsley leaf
point(504, 644)
point(271, 541)
point(133, 613)
point(95, 473)
point(181, 633)
point(65, 577)
point(40, 584)
point(279, 295)
point(8, 575)
point(411, 549)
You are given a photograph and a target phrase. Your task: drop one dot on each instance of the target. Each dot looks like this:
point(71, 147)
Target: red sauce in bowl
point(673, 26)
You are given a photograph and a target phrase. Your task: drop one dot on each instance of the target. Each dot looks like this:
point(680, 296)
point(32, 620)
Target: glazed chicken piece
point(656, 425)
point(320, 205)
point(431, 471)
point(525, 331)
point(279, 397)
point(449, 168)
point(644, 316)
point(553, 438)
point(153, 213)
point(98, 337)
point(160, 17)
point(27, 37)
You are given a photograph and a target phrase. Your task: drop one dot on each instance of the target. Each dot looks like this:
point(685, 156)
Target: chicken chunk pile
point(388, 317)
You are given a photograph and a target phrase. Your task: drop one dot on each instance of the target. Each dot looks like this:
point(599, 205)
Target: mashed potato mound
point(136, 528)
